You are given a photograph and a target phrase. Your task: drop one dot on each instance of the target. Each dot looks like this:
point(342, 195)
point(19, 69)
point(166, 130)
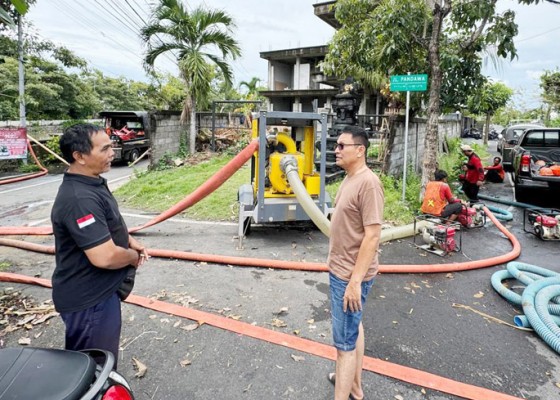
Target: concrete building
point(296, 80)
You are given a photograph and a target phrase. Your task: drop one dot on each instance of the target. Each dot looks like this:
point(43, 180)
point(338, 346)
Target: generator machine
point(543, 223)
point(437, 235)
point(285, 184)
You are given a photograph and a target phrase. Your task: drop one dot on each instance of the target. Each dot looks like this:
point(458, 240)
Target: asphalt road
point(410, 319)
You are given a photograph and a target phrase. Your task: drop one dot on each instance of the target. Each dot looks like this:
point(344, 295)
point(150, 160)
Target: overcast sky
point(104, 32)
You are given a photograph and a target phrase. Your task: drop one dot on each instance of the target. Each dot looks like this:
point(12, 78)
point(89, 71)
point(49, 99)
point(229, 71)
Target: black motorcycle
point(493, 135)
point(51, 374)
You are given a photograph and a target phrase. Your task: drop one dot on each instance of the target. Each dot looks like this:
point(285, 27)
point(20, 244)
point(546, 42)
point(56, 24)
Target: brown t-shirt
point(359, 202)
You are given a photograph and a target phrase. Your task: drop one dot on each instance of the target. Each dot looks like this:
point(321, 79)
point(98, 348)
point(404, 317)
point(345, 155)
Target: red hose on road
point(382, 367)
point(201, 192)
point(44, 171)
point(316, 267)
point(400, 372)
point(207, 187)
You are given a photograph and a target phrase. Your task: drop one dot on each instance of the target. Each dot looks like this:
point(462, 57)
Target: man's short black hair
point(440, 175)
point(498, 158)
point(77, 138)
point(359, 135)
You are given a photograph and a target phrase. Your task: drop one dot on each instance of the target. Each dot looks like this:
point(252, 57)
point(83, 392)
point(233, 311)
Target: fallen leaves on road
point(479, 295)
point(140, 368)
point(24, 341)
point(185, 362)
point(298, 358)
point(282, 311)
point(190, 327)
point(19, 311)
point(278, 323)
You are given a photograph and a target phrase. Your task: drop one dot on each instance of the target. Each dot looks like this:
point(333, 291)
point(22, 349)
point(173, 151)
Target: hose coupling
point(288, 163)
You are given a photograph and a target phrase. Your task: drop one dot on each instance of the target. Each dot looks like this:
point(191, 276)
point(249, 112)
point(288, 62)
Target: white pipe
point(305, 199)
point(322, 222)
point(400, 232)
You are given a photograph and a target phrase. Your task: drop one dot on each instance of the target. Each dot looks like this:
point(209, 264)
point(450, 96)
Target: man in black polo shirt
point(93, 247)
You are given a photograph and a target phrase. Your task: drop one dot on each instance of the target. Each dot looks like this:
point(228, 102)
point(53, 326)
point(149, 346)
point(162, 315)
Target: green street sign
point(409, 83)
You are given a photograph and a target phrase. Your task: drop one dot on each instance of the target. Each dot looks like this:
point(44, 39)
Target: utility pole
point(21, 74)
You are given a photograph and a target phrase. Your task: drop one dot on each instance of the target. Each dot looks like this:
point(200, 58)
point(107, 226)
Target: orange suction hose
point(396, 371)
point(201, 192)
point(207, 187)
point(317, 267)
point(43, 171)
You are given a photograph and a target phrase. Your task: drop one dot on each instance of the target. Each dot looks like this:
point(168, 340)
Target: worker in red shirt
point(438, 199)
point(474, 176)
point(495, 173)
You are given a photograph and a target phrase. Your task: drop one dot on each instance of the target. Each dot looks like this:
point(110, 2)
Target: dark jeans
point(97, 327)
point(493, 176)
point(471, 190)
point(450, 209)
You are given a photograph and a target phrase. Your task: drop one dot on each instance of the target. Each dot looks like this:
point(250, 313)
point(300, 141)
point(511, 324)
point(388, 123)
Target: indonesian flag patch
point(85, 221)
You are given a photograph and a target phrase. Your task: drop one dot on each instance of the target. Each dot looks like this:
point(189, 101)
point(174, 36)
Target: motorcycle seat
point(46, 374)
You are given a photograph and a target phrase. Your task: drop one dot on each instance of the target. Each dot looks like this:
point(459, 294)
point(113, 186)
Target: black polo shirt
point(84, 215)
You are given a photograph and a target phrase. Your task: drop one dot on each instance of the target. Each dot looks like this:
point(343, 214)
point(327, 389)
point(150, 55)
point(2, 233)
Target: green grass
point(4, 265)
point(451, 161)
point(159, 190)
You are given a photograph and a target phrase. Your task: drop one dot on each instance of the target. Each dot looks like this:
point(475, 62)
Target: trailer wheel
point(133, 155)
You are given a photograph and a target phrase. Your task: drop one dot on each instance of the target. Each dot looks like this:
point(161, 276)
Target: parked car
point(509, 138)
point(536, 162)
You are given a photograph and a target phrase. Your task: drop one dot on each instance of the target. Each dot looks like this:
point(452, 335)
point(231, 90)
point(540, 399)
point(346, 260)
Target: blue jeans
point(97, 327)
point(345, 324)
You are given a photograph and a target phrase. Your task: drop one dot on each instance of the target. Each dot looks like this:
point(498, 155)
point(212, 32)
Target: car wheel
point(133, 155)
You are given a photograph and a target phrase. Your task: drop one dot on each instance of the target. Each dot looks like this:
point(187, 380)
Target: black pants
point(493, 176)
point(450, 209)
point(97, 327)
point(471, 190)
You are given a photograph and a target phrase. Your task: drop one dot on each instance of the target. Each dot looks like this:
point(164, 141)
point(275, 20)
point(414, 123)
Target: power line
point(90, 27)
point(539, 34)
point(157, 36)
point(119, 20)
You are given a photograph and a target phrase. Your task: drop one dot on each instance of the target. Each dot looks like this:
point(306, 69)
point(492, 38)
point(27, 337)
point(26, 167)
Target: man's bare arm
point(110, 256)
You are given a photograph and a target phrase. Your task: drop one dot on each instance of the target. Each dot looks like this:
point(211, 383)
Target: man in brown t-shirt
point(353, 263)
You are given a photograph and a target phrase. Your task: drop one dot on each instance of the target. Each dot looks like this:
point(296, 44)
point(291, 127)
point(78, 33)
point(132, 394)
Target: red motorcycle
point(51, 374)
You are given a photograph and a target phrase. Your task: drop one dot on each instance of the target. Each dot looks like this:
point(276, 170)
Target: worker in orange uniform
point(438, 199)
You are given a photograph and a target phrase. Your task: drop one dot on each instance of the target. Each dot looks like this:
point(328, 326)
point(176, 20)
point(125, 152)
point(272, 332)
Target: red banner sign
point(13, 143)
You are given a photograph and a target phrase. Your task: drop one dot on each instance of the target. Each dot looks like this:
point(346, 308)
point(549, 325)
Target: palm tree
point(252, 87)
point(199, 39)
point(252, 94)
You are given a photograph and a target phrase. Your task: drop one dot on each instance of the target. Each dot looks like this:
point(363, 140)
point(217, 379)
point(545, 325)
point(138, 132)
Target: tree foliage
point(490, 98)
point(445, 39)
point(53, 92)
point(199, 39)
point(550, 85)
point(10, 10)
point(487, 100)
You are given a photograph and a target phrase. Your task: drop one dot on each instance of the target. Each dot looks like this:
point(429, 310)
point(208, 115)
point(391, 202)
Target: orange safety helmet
point(540, 163)
point(555, 170)
point(545, 171)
